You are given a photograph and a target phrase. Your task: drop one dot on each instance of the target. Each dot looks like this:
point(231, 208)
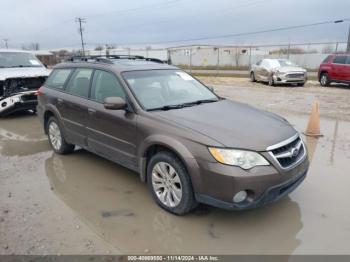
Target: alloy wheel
point(324, 80)
point(55, 136)
point(166, 184)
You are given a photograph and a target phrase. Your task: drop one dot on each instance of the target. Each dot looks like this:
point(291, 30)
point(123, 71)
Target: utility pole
point(6, 42)
point(348, 47)
point(81, 20)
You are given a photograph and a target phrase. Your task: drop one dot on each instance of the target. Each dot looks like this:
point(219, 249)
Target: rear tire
point(324, 79)
point(56, 138)
point(170, 183)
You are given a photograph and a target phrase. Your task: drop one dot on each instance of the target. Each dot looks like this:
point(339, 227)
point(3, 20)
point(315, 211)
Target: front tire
point(324, 79)
point(271, 82)
point(170, 183)
point(56, 138)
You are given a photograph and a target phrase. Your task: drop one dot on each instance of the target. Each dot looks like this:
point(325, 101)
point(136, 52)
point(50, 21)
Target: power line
point(80, 21)
point(245, 33)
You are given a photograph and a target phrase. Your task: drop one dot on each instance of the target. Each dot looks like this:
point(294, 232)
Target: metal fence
point(308, 55)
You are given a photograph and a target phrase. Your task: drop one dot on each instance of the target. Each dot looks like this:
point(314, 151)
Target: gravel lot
point(83, 204)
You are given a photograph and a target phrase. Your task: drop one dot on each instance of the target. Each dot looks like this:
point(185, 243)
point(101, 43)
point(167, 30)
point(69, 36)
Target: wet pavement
point(82, 203)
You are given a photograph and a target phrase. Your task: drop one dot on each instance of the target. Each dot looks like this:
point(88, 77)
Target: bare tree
point(99, 48)
point(327, 49)
point(31, 46)
point(110, 46)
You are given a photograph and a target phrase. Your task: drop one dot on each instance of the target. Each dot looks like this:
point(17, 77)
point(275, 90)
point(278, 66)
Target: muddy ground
point(84, 204)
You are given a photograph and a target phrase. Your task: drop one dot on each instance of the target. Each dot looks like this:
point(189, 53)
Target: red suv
point(335, 68)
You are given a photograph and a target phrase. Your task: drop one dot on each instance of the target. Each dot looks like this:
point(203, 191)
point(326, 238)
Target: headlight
point(242, 158)
point(278, 73)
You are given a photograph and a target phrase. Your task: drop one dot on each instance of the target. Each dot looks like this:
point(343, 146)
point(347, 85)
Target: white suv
point(21, 74)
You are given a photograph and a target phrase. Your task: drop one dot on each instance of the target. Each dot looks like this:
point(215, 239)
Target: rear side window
point(348, 60)
point(339, 59)
point(105, 85)
point(79, 83)
point(57, 78)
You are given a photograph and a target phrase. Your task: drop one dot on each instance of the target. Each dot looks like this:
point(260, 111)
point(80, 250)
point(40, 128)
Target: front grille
point(289, 154)
point(296, 75)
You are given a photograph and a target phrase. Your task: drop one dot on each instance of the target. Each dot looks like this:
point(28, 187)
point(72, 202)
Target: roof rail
point(78, 59)
point(107, 59)
point(136, 57)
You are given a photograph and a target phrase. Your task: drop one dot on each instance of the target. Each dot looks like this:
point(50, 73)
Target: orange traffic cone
point(313, 127)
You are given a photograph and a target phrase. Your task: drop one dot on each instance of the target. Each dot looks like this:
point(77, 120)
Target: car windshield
point(18, 59)
point(167, 89)
point(281, 62)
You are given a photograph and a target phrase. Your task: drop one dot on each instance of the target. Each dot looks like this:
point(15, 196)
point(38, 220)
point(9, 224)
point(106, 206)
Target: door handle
point(60, 101)
point(91, 111)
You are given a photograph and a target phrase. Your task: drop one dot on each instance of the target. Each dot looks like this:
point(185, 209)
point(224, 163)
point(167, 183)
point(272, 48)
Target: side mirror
point(114, 103)
point(211, 88)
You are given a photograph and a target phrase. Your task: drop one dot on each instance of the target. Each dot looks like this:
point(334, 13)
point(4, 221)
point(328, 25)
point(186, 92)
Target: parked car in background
point(187, 143)
point(21, 75)
point(335, 68)
point(278, 71)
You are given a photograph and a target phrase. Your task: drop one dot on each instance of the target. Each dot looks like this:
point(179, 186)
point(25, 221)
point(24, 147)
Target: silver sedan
point(278, 71)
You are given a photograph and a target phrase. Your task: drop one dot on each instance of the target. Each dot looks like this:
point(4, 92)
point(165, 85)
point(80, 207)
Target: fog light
point(240, 196)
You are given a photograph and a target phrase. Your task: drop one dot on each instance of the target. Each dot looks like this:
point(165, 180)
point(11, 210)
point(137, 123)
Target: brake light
point(39, 92)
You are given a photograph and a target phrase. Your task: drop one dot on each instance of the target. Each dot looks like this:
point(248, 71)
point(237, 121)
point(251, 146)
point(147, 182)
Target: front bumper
point(286, 79)
point(267, 184)
point(271, 195)
point(18, 102)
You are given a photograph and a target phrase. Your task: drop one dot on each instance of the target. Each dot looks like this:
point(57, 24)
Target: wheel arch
point(49, 112)
point(157, 143)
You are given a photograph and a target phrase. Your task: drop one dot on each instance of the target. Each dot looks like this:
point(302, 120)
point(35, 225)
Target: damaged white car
point(21, 75)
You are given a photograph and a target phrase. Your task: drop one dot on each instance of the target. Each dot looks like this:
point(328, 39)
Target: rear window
point(339, 59)
point(58, 77)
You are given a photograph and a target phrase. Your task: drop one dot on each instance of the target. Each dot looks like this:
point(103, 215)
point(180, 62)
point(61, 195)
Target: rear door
point(339, 67)
point(111, 133)
point(264, 70)
point(72, 106)
point(257, 70)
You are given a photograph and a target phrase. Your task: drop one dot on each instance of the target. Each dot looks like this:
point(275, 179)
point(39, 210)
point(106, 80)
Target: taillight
point(39, 92)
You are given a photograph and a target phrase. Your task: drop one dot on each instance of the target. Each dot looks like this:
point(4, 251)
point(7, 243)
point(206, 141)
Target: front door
point(111, 133)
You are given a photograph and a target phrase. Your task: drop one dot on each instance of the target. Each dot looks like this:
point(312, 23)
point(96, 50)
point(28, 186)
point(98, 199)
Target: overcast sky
point(52, 23)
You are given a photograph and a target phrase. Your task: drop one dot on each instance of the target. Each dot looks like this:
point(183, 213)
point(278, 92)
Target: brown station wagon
point(190, 145)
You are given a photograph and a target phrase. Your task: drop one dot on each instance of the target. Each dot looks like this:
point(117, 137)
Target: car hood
point(20, 72)
point(233, 124)
point(287, 69)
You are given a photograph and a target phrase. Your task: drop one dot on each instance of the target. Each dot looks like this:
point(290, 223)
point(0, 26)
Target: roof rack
point(136, 57)
point(107, 58)
point(78, 59)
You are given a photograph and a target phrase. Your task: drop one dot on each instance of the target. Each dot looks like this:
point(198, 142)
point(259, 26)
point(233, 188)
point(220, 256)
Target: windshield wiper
point(202, 101)
point(169, 107)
